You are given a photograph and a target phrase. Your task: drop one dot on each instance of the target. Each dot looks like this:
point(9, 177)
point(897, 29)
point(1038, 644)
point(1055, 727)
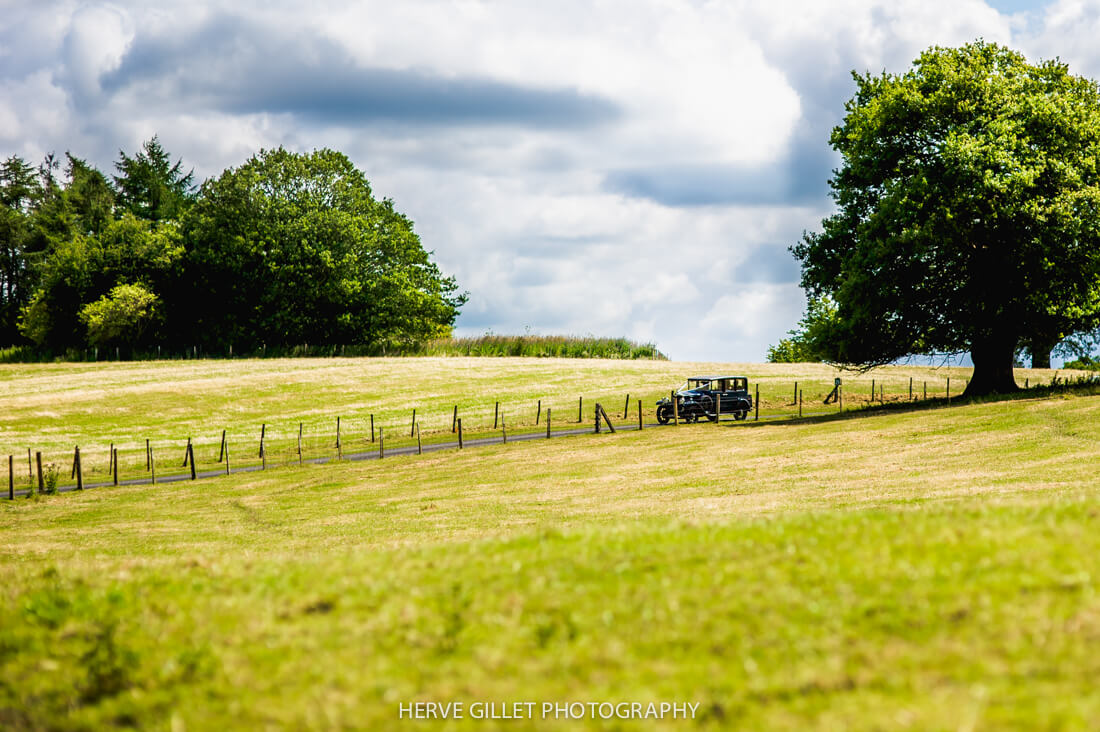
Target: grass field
point(894, 569)
point(54, 407)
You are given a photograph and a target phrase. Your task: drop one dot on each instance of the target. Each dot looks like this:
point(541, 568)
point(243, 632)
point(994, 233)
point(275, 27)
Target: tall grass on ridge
point(486, 345)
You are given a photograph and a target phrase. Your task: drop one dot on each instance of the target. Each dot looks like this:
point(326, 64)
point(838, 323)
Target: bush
point(121, 316)
point(1084, 363)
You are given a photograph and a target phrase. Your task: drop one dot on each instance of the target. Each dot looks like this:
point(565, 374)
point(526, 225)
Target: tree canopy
point(292, 248)
point(286, 250)
point(968, 213)
point(800, 345)
point(150, 186)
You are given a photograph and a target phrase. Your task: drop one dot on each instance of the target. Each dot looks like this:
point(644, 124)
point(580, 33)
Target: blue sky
point(605, 167)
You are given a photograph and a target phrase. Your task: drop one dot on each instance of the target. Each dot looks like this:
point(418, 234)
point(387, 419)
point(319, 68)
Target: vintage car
point(708, 396)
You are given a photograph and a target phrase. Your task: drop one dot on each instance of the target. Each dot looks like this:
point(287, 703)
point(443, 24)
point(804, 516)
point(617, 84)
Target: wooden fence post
point(454, 420)
point(372, 428)
point(580, 409)
point(221, 452)
point(538, 413)
point(756, 404)
point(148, 456)
point(910, 388)
point(872, 391)
point(11, 477)
point(263, 434)
point(186, 453)
point(299, 443)
point(675, 408)
point(152, 467)
point(339, 449)
point(381, 444)
point(626, 407)
point(597, 411)
point(114, 452)
point(191, 455)
point(926, 390)
point(41, 482)
point(548, 423)
point(111, 457)
point(799, 402)
point(606, 419)
point(79, 470)
point(419, 447)
point(794, 399)
point(503, 429)
point(496, 415)
point(459, 434)
point(640, 428)
point(30, 468)
point(412, 427)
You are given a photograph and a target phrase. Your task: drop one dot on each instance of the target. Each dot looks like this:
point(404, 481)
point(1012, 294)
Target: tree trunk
point(1040, 359)
point(992, 367)
point(1039, 349)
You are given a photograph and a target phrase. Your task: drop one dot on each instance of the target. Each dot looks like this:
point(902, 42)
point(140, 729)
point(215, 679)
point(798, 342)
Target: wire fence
point(284, 442)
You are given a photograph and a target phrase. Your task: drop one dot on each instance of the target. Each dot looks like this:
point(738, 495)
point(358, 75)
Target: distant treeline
point(285, 249)
point(488, 345)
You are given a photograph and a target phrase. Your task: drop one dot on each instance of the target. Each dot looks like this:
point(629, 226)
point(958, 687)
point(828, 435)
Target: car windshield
point(696, 384)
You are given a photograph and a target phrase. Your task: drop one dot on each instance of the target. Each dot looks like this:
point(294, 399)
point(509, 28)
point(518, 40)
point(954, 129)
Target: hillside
point(54, 407)
point(924, 568)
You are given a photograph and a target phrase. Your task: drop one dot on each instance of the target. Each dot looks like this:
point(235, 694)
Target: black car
point(699, 396)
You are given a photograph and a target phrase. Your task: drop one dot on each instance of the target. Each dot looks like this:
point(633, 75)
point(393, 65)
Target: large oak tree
point(968, 213)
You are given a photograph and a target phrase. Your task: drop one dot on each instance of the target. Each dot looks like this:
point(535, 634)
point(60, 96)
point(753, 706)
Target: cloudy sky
point(632, 168)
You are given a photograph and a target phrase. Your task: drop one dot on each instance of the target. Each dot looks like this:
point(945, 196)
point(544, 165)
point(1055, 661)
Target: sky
point(627, 168)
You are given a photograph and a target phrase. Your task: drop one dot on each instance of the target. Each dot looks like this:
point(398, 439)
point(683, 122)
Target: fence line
point(284, 447)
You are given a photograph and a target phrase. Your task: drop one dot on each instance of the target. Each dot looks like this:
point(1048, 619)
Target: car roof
point(714, 378)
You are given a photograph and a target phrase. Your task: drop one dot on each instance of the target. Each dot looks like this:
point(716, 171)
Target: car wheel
point(706, 407)
point(664, 413)
point(741, 415)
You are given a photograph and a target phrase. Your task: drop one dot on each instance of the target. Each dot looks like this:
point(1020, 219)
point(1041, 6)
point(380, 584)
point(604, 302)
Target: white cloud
point(737, 93)
point(95, 44)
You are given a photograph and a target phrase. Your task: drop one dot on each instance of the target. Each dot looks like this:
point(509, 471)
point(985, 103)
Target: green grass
point(54, 407)
point(923, 569)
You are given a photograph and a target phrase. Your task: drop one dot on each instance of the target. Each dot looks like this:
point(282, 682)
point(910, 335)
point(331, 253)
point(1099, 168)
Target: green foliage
point(968, 212)
point(51, 474)
point(81, 270)
point(87, 202)
point(538, 347)
point(789, 350)
point(292, 248)
point(149, 186)
point(20, 192)
point(807, 342)
point(1084, 363)
point(121, 316)
point(286, 250)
